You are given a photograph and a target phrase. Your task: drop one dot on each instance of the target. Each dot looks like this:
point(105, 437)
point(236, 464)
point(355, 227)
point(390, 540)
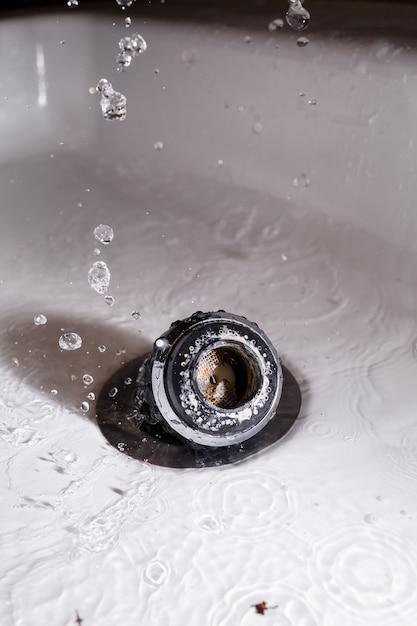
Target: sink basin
point(253, 175)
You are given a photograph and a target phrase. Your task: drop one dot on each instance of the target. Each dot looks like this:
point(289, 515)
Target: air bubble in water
point(128, 21)
point(113, 104)
point(88, 379)
point(70, 341)
point(113, 392)
point(109, 300)
point(40, 319)
point(275, 24)
point(158, 145)
point(297, 16)
point(128, 381)
point(135, 315)
point(102, 348)
point(91, 395)
point(301, 181)
point(99, 277)
point(84, 406)
point(104, 234)
point(302, 42)
point(96, 251)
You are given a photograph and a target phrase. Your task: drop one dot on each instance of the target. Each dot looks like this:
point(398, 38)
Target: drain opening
point(227, 377)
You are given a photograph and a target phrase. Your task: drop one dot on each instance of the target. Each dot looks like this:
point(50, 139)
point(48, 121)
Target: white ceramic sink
point(300, 216)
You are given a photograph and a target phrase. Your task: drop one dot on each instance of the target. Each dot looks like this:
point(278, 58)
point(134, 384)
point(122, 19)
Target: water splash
point(99, 277)
point(113, 103)
point(70, 341)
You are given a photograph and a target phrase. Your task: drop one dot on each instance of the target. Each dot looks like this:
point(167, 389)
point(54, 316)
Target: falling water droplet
point(302, 42)
point(275, 24)
point(15, 361)
point(135, 44)
point(248, 39)
point(84, 406)
point(128, 21)
point(128, 381)
point(257, 128)
point(297, 16)
point(40, 319)
point(125, 3)
point(96, 251)
point(301, 181)
point(72, 3)
point(109, 300)
point(88, 379)
point(104, 234)
point(99, 277)
point(113, 392)
point(54, 392)
point(70, 341)
point(113, 104)
point(91, 395)
point(158, 145)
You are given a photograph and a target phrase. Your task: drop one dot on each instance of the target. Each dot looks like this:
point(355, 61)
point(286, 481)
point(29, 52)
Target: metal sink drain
point(213, 378)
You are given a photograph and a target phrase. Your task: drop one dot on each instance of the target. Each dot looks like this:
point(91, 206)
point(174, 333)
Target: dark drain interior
point(226, 377)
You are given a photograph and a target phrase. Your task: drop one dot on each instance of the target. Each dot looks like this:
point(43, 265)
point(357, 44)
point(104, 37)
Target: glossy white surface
point(322, 524)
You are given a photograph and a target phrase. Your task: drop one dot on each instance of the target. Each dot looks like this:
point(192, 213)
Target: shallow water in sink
point(321, 525)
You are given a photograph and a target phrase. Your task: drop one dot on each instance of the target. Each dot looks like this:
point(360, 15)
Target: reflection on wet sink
point(254, 175)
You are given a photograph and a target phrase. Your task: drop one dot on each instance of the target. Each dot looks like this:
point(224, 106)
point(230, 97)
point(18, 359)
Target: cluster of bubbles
point(130, 46)
point(113, 103)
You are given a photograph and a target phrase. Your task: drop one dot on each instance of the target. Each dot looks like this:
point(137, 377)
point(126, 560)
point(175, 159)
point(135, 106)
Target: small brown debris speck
point(261, 607)
point(78, 619)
